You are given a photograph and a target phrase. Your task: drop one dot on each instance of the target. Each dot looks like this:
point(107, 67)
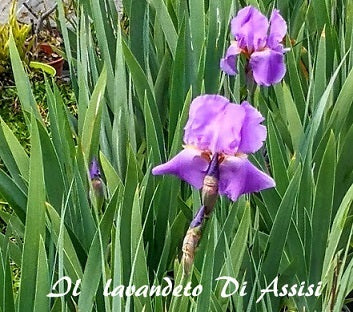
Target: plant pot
point(46, 48)
point(57, 63)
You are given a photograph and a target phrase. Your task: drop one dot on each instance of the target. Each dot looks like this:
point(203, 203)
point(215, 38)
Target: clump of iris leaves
point(133, 83)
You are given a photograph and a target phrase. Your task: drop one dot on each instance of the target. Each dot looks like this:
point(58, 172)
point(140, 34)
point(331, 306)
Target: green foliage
point(21, 33)
point(50, 70)
point(11, 110)
point(132, 92)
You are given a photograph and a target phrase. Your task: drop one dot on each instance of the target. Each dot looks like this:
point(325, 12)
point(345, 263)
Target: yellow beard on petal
point(206, 154)
point(241, 155)
point(242, 51)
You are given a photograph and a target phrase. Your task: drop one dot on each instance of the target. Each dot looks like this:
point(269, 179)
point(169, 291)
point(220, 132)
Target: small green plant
point(22, 36)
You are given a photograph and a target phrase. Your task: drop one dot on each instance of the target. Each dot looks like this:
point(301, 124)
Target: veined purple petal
point(268, 67)
point(278, 29)
point(188, 165)
point(253, 134)
point(214, 124)
point(239, 176)
point(250, 28)
point(229, 63)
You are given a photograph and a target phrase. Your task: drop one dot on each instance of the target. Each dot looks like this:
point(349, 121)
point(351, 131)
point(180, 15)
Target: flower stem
point(250, 85)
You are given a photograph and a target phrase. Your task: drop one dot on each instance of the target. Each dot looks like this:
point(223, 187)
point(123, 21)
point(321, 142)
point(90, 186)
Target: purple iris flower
point(231, 131)
point(260, 41)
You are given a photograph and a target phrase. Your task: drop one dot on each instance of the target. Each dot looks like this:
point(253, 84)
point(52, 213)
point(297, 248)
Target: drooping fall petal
point(188, 165)
point(239, 176)
point(229, 63)
point(268, 67)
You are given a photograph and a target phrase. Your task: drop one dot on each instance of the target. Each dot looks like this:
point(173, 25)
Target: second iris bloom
point(259, 39)
point(232, 131)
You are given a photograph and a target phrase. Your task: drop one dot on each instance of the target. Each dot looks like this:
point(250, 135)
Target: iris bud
point(210, 185)
point(98, 188)
point(191, 240)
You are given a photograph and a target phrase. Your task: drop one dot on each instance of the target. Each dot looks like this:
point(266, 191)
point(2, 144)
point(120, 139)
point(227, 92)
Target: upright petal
point(229, 63)
point(278, 29)
point(188, 165)
point(250, 28)
point(268, 67)
point(253, 134)
point(239, 176)
point(214, 124)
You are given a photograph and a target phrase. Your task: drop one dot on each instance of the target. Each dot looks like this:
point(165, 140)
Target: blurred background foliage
point(133, 75)
point(21, 34)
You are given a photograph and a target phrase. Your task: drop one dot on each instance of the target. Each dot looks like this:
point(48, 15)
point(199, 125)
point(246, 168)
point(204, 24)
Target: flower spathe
point(259, 39)
point(232, 131)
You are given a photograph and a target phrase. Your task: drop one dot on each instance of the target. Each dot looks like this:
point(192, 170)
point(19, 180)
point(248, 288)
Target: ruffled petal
point(188, 165)
point(278, 29)
point(268, 67)
point(214, 124)
point(253, 134)
point(239, 176)
point(229, 63)
point(250, 29)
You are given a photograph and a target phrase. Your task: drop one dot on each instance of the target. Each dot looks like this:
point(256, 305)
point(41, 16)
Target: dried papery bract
point(190, 243)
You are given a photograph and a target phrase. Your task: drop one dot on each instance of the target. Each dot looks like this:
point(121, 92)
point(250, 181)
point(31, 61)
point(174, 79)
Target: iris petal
point(229, 63)
point(188, 165)
point(278, 29)
point(239, 176)
point(253, 134)
point(268, 67)
point(250, 28)
point(214, 124)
